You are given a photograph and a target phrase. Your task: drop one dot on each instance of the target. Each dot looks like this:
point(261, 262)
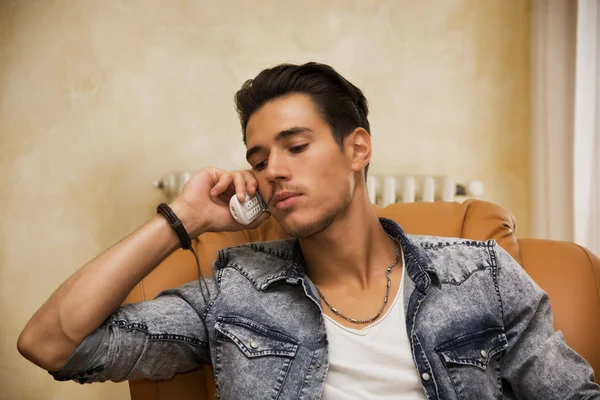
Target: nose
point(276, 169)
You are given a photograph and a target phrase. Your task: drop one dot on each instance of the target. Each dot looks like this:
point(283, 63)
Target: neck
point(354, 250)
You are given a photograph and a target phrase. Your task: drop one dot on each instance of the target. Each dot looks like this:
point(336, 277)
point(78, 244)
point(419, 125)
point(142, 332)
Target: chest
point(276, 342)
point(375, 362)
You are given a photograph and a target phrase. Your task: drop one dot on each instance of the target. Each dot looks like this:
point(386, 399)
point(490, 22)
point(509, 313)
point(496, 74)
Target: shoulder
point(275, 249)
point(261, 262)
point(453, 260)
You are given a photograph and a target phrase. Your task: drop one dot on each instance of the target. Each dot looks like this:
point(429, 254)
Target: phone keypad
point(254, 206)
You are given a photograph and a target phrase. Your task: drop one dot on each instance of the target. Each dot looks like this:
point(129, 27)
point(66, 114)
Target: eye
point(298, 149)
point(260, 166)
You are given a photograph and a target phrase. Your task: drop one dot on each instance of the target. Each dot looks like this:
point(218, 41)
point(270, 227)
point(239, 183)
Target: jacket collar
point(265, 263)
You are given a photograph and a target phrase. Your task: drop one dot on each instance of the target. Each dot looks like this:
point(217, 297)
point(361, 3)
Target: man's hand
point(203, 205)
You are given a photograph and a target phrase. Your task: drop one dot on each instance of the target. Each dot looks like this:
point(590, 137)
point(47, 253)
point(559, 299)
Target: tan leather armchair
point(569, 274)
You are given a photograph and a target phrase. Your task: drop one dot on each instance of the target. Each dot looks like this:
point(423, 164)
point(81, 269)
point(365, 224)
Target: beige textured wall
point(99, 98)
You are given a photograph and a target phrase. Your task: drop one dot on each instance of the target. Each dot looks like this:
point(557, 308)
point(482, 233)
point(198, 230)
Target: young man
point(352, 308)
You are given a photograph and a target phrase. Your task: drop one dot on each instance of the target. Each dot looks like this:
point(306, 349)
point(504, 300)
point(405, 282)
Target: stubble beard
point(320, 224)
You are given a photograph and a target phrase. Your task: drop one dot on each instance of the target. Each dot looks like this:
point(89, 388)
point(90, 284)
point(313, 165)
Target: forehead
point(282, 114)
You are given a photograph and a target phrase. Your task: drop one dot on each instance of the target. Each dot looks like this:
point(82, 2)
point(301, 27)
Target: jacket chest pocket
point(251, 360)
point(473, 363)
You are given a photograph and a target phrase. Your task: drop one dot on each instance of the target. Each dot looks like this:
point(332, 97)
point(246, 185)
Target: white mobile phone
point(249, 210)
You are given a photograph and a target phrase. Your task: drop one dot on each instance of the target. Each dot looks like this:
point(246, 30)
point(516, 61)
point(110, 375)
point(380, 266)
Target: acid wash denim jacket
point(479, 328)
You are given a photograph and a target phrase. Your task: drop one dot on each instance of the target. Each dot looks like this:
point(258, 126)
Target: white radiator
point(387, 189)
point(382, 189)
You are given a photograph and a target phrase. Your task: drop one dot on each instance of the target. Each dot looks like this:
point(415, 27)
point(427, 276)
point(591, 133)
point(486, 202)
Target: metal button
point(483, 353)
point(425, 376)
point(254, 344)
point(318, 366)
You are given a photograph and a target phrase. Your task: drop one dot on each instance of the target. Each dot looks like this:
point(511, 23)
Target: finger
point(222, 185)
point(239, 181)
point(251, 183)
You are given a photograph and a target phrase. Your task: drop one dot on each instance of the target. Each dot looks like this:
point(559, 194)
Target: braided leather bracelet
point(176, 224)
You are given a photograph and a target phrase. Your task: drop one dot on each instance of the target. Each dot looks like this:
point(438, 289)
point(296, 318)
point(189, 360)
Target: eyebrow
point(280, 136)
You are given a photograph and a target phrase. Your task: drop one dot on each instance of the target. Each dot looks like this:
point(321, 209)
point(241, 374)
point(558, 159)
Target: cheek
point(334, 181)
point(330, 162)
point(336, 165)
point(264, 188)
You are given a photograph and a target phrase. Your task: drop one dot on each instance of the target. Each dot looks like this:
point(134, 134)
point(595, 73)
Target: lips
point(282, 197)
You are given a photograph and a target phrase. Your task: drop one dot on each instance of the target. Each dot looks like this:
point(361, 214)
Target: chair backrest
point(569, 274)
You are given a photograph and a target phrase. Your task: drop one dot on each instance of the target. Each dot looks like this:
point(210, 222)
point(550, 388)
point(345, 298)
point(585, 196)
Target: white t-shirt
point(374, 362)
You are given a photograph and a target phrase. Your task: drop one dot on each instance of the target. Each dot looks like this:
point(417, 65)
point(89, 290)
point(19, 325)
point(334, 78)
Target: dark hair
point(342, 105)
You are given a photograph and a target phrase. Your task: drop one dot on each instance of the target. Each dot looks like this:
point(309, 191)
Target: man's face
point(303, 174)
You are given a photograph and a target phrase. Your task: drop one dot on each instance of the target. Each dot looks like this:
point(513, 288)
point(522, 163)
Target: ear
point(358, 147)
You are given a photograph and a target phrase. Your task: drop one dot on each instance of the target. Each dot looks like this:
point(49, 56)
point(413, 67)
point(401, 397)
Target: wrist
point(190, 217)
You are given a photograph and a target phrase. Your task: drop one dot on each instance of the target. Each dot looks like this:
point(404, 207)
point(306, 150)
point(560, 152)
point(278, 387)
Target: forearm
point(83, 302)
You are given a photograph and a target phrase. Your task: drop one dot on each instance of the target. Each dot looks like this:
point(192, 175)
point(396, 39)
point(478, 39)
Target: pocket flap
point(254, 339)
point(473, 349)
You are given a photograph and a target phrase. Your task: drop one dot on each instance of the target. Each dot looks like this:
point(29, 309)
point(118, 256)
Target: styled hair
point(341, 104)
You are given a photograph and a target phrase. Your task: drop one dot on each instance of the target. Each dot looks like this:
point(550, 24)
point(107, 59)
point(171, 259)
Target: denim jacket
point(479, 328)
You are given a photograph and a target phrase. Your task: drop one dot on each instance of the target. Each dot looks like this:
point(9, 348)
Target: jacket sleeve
point(152, 339)
point(538, 363)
